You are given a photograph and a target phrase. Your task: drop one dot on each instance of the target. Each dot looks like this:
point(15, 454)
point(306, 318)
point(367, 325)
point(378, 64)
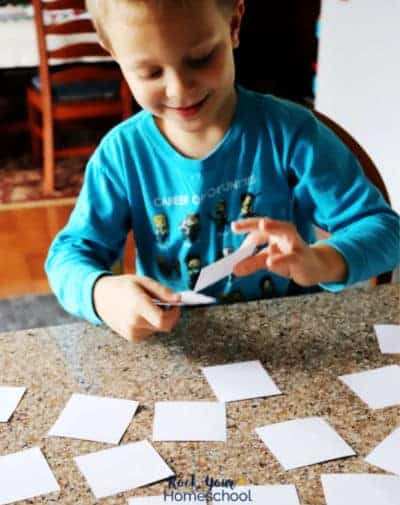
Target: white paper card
point(188, 298)
point(222, 268)
point(388, 338)
point(302, 442)
point(386, 455)
point(365, 489)
point(95, 418)
point(189, 421)
point(10, 397)
point(240, 381)
point(257, 495)
point(25, 474)
point(113, 471)
point(378, 388)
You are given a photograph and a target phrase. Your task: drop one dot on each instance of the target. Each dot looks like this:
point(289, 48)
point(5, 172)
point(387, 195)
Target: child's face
point(178, 62)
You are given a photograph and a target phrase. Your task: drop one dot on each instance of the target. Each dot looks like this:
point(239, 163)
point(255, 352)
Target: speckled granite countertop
point(304, 342)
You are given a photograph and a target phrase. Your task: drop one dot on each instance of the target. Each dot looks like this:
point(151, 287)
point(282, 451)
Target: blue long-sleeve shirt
point(275, 160)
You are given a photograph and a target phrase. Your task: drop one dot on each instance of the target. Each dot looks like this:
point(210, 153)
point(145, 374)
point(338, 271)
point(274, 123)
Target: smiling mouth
point(189, 108)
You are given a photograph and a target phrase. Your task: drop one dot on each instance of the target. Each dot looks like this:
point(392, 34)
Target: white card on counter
point(94, 418)
point(24, 475)
point(222, 268)
point(362, 488)
point(378, 388)
point(10, 396)
point(189, 421)
point(285, 494)
point(240, 381)
point(386, 455)
point(303, 442)
point(122, 468)
point(388, 338)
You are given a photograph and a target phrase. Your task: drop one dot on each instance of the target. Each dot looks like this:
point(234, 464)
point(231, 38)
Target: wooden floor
point(25, 237)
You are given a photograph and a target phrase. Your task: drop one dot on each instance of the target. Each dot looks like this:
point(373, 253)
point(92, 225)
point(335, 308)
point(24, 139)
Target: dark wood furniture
point(50, 100)
point(370, 169)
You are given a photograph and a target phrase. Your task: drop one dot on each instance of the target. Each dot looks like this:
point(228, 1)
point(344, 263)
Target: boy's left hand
point(287, 254)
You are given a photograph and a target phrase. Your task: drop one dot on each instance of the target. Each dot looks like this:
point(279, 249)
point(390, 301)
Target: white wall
point(358, 79)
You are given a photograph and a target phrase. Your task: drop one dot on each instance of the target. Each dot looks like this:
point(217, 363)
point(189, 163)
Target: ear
point(236, 21)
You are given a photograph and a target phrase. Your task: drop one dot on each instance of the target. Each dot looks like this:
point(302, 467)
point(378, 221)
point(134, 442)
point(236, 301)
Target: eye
point(151, 74)
point(200, 62)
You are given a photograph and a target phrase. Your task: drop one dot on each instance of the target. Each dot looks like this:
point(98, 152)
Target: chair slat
point(74, 26)
point(87, 109)
point(85, 73)
point(78, 51)
point(57, 5)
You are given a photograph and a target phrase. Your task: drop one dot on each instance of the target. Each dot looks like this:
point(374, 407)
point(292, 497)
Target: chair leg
point(35, 142)
point(49, 165)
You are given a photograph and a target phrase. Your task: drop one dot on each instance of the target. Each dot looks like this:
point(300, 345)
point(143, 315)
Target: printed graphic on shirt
point(190, 227)
point(220, 218)
point(193, 264)
point(234, 296)
point(161, 227)
point(171, 269)
point(266, 287)
point(247, 202)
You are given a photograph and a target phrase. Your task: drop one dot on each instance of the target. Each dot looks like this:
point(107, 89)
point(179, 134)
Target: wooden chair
point(100, 90)
point(370, 170)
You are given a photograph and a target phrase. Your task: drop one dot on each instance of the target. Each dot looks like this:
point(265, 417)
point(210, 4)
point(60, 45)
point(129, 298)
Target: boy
point(203, 163)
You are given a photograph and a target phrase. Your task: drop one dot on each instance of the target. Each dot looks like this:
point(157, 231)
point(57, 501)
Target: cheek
point(147, 94)
point(222, 69)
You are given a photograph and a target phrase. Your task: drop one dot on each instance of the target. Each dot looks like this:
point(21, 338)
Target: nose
point(177, 85)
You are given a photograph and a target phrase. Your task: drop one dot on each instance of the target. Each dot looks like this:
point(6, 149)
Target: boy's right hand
point(125, 303)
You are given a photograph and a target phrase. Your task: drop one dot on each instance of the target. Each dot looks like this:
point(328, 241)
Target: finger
point(148, 308)
point(171, 318)
point(263, 230)
point(164, 320)
point(250, 265)
point(246, 225)
point(142, 324)
point(275, 226)
point(281, 264)
point(254, 238)
point(143, 328)
point(149, 311)
point(258, 224)
point(140, 334)
point(162, 293)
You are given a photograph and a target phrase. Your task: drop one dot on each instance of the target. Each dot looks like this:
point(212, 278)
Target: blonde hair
point(99, 9)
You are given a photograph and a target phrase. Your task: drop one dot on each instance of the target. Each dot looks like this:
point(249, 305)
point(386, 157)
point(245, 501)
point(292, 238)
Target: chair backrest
point(68, 19)
point(370, 170)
